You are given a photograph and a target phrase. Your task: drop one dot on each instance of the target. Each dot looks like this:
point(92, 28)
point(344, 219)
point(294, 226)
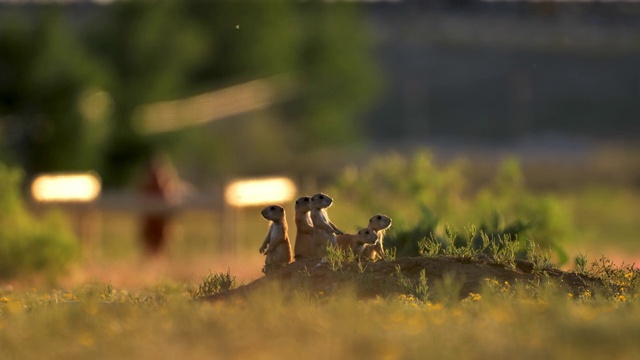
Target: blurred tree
point(322, 47)
point(133, 53)
point(336, 72)
point(44, 71)
point(149, 48)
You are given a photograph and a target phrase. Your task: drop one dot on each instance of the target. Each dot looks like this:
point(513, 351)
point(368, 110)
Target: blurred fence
point(221, 220)
point(88, 217)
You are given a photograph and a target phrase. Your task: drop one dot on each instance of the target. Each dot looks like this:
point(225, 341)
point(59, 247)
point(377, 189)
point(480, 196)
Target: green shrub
point(414, 190)
point(30, 245)
point(405, 239)
point(214, 284)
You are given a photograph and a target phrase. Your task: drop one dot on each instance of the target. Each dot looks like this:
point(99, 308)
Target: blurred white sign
point(66, 187)
point(259, 191)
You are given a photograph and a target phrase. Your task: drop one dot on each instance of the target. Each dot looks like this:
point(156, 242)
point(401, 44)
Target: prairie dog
point(364, 244)
point(305, 245)
point(323, 229)
point(276, 244)
point(378, 224)
point(362, 240)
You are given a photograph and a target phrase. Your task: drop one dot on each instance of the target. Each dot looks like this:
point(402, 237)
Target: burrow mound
point(381, 278)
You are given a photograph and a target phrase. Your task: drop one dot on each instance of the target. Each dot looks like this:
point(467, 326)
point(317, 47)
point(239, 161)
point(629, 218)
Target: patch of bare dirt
point(380, 278)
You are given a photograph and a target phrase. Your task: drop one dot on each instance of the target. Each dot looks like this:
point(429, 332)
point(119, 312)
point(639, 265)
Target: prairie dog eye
point(379, 217)
point(306, 199)
point(320, 197)
point(272, 208)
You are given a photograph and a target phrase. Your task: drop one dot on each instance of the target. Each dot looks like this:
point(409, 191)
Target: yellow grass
point(161, 322)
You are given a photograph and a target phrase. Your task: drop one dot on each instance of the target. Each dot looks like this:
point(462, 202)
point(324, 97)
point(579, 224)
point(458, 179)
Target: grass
point(214, 284)
point(166, 320)
point(162, 322)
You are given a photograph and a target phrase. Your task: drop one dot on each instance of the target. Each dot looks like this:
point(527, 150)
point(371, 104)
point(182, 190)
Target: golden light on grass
point(66, 187)
point(259, 191)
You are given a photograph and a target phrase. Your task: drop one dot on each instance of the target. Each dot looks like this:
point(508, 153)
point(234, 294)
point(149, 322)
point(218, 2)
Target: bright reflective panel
point(82, 187)
point(260, 191)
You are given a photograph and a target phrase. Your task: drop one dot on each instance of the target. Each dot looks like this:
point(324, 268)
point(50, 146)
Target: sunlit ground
point(607, 224)
point(605, 221)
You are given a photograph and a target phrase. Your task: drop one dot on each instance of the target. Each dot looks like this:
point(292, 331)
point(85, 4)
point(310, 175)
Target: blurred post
point(161, 187)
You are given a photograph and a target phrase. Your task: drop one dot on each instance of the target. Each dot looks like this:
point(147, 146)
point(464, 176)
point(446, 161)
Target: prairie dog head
point(303, 204)
point(379, 222)
point(273, 213)
point(321, 201)
point(367, 235)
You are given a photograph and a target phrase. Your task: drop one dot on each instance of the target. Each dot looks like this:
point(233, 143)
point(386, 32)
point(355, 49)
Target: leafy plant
point(429, 246)
point(619, 281)
point(418, 288)
point(405, 239)
point(338, 257)
point(539, 257)
point(214, 284)
point(389, 254)
point(581, 263)
point(27, 244)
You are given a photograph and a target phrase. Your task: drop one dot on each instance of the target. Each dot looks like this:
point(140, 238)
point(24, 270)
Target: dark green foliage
point(416, 189)
point(495, 233)
point(142, 52)
point(504, 244)
point(44, 72)
point(405, 239)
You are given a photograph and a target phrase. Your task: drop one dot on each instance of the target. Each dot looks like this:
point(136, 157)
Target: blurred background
point(494, 113)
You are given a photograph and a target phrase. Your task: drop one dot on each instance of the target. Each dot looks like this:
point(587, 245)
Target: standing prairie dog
point(276, 244)
point(323, 229)
point(305, 245)
point(378, 224)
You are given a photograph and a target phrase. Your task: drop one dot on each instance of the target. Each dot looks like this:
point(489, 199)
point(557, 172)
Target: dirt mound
point(381, 278)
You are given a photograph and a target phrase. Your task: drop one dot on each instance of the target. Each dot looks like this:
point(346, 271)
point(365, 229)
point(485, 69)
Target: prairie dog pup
point(368, 251)
point(305, 245)
point(378, 224)
point(364, 240)
point(276, 244)
point(323, 228)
